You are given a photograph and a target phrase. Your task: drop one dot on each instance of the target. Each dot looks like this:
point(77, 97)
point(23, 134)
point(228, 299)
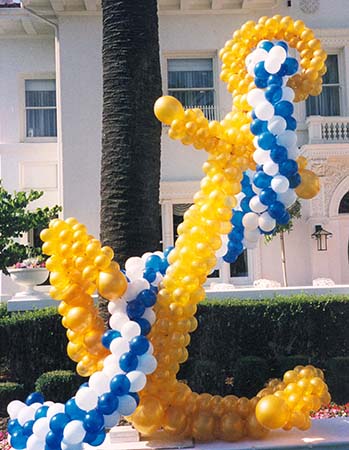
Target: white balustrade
point(328, 129)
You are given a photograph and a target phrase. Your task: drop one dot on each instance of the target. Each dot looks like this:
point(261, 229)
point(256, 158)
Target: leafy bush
point(58, 385)
point(337, 377)
point(250, 375)
point(31, 343)
point(8, 392)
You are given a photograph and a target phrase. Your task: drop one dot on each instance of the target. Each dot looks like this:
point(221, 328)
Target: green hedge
point(58, 385)
point(31, 343)
point(275, 330)
point(8, 392)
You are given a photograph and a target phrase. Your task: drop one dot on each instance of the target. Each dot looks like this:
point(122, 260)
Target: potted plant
point(22, 261)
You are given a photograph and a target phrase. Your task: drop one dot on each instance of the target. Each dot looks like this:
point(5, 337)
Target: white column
point(167, 223)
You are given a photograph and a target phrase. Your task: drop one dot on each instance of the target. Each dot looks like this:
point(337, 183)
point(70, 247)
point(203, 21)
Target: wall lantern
point(321, 237)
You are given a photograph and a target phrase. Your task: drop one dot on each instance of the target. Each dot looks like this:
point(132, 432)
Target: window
point(344, 205)
point(191, 81)
point(40, 108)
point(240, 267)
point(328, 102)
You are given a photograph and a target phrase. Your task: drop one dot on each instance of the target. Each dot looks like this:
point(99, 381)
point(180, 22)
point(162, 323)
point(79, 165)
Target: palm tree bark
point(130, 171)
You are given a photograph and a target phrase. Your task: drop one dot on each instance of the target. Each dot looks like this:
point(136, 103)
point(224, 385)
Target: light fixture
point(321, 237)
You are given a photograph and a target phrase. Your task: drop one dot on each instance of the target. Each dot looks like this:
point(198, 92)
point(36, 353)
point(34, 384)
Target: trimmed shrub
point(337, 378)
point(58, 385)
point(250, 375)
point(8, 392)
point(290, 362)
point(31, 343)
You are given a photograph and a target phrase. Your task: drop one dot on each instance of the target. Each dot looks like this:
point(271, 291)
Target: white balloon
point(119, 346)
point(145, 256)
point(256, 205)
point(279, 184)
point(130, 330)
point(25, 414)
point(41, 427)
point(252, 235)
point(287, 94)
point(134, 288)
point(14, 408)
point(272, 64)
point(259, 54)
point(135, 263)
point(86, 399)
point(127, 405)
point(159, 253)
point(99, 382)
point(150, 350)
point(149, 315)
point(157, 280)
point(117, 306)
point(249, 244)
point(79, 446)
point(277, 125)
point(250, 221)
point(255, 96)
point(35, 443)
point(36, 406)
point(117, 320)
point(256, 189)
point(48, 403)
point(288, 197)
point(137, 379)
point(261, 156)
point(111, 370)
point(293, 153)
point(264, 111)
point(54, 409)
point(278, 52)
point(266, 222)
point(223, 248)
point(74, 432)
point(147, 363)
point(287, 139)
point(111, 420)
point(271, 168)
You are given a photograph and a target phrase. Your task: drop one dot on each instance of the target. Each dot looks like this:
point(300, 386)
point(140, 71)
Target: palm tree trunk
point(130, 171)
point(283, 258)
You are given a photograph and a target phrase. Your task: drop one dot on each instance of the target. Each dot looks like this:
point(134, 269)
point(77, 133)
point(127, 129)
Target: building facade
point(51, 109)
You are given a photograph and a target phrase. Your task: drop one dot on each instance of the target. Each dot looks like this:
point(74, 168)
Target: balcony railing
point(328, 129)
point(211, 112)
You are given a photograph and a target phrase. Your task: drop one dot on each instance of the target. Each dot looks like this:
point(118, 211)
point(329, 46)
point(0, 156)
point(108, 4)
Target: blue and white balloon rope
point(109, 393)
point(273, 126)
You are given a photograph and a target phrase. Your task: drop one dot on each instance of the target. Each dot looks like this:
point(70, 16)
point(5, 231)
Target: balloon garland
point(252, 175)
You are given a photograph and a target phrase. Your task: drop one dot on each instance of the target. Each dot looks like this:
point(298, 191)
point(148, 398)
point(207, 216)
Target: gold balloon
point(167, 109)
point(310, 184)
point(111, 285)
point(272, 412)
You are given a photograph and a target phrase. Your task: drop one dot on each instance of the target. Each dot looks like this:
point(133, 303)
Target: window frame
point(195, 55)
point(23, 109)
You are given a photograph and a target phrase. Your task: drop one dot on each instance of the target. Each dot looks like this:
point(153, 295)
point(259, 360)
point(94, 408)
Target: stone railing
point(328, 129)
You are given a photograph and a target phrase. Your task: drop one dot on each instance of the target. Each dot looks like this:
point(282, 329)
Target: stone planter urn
point(28, 278)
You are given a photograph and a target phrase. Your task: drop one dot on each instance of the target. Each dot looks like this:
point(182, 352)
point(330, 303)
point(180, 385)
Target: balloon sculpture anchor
point(253, 174)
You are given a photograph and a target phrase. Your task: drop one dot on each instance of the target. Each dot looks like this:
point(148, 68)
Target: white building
point(51, 108)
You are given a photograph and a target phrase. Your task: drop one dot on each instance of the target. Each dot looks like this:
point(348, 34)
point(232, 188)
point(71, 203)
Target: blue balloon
point(281, 73)
point(145, 325)
point(278, 154)
point(35, 397)
point(282, 44)
point(230, 257)
point(291, 65)
point(260, 71)
point(41, 412)
point(245, 205)
point(258, 126)
point(288, 168)
point(237, 234)
point(120, 385)
point(135, 309)
point(260, 83)
point(109, 336)
point(235, 247)
point(53, 440)
point(18, 440)
point(262, 180)
point(267, 196)
point(295, 180)
point(283, 108)
point(291, 123)
point(28, 427)
point(108, 403)
point(276, 210)
point(95, 439)
point(153, 262)
point(147, 297)
point(13, 425)
point(139, 345)
point(266, 140)
point(273, 93)
point(245, 180)
point(73, 411)
point(248, 191)
point(236, 220)
point(284, 219)
point(128, 361)
point(149, 275)
point(135, 396)
point(58, 422)
point(275, 79)
point(266, 45)
point(164, 265)
point(93, 421)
